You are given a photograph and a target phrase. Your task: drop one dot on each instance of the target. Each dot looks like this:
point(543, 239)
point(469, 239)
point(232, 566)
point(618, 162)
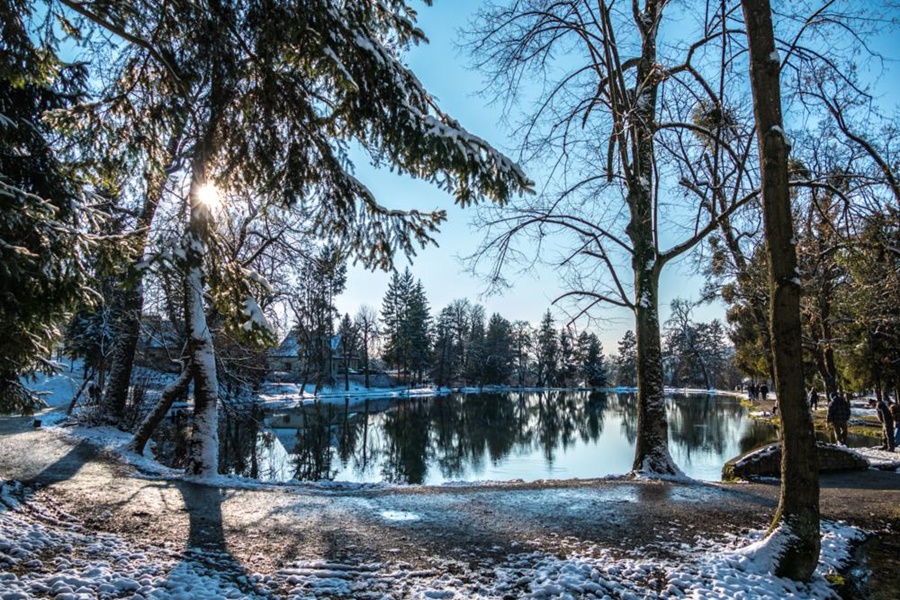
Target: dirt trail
point(262, 530)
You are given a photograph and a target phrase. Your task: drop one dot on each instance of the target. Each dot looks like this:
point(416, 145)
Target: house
point(159, 344)
point(290, 357)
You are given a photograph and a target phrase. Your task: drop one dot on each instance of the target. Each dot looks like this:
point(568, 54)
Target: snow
point(777, 130)
point(774, 56)
point(256, 319)
point(44, 552)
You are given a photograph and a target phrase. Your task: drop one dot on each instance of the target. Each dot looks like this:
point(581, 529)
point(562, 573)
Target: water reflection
point(530, 436)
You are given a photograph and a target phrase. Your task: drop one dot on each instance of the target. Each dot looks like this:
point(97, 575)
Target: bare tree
point(646, 154)
point(366, 320)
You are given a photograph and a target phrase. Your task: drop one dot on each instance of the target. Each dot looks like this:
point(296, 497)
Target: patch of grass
point(837, 581)
point(872, 431)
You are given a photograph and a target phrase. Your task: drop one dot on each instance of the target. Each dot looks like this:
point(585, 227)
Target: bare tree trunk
point(652, 445)
point(203, 450)
point(115, 396)
point(130, 303)
point(651, 454)
point(176, 389)
point(796, 521)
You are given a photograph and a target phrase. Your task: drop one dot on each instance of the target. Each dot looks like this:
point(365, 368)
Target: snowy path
point(93, 530)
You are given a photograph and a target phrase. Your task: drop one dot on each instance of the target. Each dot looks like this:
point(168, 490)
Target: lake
point(476, 437)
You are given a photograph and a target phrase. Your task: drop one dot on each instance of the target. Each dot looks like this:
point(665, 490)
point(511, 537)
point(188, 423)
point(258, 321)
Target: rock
point(766, 462)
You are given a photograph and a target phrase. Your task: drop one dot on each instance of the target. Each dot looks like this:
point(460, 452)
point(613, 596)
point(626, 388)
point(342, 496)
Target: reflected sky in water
point(473, 437)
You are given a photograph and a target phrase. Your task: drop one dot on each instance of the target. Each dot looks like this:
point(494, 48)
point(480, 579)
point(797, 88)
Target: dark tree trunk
point(347, 373)
point(651, 453)
point(651, 448)
point(130, 302)
point(115, 397)
point(175, 390)
point(366, 359)
point(797, 518)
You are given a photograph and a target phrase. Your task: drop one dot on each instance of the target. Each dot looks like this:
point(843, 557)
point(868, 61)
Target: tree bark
point(131, 302)
point(796, 521)
point(115, 397)
point(203, 450)
point(176, 389)
point(652, 444)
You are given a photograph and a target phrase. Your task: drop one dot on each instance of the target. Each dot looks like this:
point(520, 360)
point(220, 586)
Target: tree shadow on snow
point(66, 466)
point(207, 545)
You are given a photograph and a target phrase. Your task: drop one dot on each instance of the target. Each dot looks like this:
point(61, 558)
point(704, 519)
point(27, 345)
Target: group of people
point(757, 392)
point(838, 416)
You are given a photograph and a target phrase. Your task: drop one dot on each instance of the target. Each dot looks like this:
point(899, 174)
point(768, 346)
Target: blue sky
point(442, 69)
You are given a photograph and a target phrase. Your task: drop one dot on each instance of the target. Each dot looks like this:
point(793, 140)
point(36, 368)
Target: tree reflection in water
point(528, 435)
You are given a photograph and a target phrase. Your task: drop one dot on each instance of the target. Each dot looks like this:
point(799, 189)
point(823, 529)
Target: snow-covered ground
point(46, 553)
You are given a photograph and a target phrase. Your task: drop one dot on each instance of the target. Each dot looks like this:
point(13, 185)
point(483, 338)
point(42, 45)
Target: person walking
point(763, 391)
point(813, 399)
point(837, 416)
point(895, 412)
point(887, 424)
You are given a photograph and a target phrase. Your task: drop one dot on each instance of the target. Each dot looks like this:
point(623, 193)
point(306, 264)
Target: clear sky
point(442, 69)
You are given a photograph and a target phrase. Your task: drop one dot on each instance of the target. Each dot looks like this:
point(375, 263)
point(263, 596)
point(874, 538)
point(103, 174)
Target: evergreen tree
point(452, 344)
point(42, 279)
point(443, 358)
point(592, 366)
point(547, 352)
point(406, 318)
point(474, 346)
point(497, 351)
point(626, 361)
point(418, 334)
point(522, 346)
point(394, 311)
point(568, 367)
point(349, 346)
point(268, 96)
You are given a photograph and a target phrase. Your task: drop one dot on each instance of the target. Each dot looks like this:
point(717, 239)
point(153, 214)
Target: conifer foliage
point(407, 322)
point(41, 274)
point(264, 99)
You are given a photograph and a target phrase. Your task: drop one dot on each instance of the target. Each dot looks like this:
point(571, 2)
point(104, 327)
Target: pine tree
point(268, 96)
point(418, 330)
point(498, 357)
point(474, 346)
point(522, 338)
point(547, 352)
point(567, 359)
point(394, 312)
point(350, 341)
point(592, 366)
point(626, 361)
point(444, 350)
point(42, 274)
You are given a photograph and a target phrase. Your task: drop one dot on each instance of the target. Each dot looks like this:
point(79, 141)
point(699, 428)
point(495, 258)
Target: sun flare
point(209, 196)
